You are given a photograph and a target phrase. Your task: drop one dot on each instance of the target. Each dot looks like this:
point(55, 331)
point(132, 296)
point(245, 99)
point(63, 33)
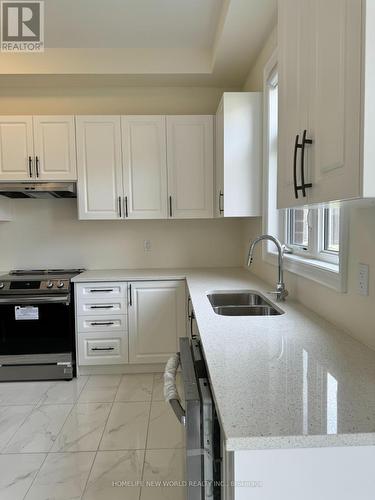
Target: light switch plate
point(363, 279)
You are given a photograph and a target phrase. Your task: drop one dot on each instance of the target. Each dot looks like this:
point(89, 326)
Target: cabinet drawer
point(108, 324)
point(99, 291)
point(102, 307)
point(96, 349)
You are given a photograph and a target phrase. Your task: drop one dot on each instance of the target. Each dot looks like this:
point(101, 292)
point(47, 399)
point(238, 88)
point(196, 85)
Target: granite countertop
point(286, 381)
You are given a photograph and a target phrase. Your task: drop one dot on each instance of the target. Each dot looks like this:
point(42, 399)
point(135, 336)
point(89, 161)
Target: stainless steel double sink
point(242, 303)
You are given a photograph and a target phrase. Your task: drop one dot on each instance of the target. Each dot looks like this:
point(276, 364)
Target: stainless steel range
point(37, 339)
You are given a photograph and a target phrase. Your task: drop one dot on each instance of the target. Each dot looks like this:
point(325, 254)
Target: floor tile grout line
point(98, 447)
point(36, 475)
point(18, 428)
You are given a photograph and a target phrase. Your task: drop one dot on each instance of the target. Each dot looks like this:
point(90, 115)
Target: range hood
point(38, 189)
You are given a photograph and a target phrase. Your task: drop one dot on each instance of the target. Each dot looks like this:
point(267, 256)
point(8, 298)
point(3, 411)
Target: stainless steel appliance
point(198, 415)
point(37, 334)
point(38, 189)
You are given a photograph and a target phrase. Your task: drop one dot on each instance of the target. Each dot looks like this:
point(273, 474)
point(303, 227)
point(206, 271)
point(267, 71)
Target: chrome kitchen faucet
point(281, 292)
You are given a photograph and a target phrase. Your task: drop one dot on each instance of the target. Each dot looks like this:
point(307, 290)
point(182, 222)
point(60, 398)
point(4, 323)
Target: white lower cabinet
point(102, 348)
point(137, 322)
point(156, 320)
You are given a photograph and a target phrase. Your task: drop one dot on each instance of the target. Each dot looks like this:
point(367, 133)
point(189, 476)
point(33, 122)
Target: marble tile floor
point(96, 437)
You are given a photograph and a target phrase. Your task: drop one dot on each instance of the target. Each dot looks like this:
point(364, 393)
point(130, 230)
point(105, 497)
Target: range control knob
point(60, 284)
point(1, 286)
point(49, 284)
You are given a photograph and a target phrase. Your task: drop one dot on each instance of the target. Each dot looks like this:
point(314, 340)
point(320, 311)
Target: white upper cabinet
point(145, 167)
point(238, 155)
point(326, 101)
point(190, 166)
point(156, 320)
point(37, 148)
point(16, 148)
point(100, 193)
point(55, 148)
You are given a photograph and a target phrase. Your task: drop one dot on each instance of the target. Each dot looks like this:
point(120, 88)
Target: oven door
point(36, 325)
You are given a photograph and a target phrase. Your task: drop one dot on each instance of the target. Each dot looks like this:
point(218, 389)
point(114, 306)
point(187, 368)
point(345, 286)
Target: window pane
point(298, 227)
point(332, 229)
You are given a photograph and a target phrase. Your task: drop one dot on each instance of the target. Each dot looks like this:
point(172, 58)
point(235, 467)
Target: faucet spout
point(281, 292)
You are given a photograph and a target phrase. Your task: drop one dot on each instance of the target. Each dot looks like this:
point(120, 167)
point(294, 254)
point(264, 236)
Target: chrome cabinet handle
point(30, 166)
point(95, 290)
point(37, 166)
point(296, 146)
point(126, 206)
point(170, 207)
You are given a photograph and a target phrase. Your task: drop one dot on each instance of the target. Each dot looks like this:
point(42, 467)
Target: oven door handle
point(32, 299)
point(170, 387)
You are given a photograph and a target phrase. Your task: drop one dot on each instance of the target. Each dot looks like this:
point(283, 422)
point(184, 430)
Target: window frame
point(320, 266)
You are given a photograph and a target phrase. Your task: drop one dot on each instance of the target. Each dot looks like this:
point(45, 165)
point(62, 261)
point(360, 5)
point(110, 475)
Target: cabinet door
point(293, 85)
point(55, 148)
point(145, 166)
point(335, 100)
point(219, 162)
point(99, 167)
point(156, 320)
point(190, 166)
point(16, 148)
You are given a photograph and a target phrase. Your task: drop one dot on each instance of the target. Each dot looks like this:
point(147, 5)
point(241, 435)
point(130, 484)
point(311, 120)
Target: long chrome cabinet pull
point(30, 166)
point(96, 290)
point(170, 207)
point(126, 206)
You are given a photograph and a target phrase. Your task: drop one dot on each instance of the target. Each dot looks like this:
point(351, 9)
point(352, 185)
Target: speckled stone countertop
point(284, 381)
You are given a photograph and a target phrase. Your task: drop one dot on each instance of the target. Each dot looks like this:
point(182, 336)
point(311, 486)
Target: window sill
point(325, 273)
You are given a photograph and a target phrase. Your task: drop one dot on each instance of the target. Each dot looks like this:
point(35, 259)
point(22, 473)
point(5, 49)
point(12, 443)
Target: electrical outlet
point(147, 245)
point(363, 279)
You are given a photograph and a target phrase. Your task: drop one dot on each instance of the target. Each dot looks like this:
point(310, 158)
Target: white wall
point(350, 311)
point(47, 233)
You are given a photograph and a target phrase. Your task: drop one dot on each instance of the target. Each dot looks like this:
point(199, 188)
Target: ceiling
point(131, 23)
point(196, 42)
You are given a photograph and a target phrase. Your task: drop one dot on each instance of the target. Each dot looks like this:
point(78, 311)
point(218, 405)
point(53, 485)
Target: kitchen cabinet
point(239, 155)
point(190, 166)
point(101, 323)
point(37, 148)
point(326, 101)
point(16, 148)
point(145, 167)
point(156, 320)
point(100, 191)
point(55, 148)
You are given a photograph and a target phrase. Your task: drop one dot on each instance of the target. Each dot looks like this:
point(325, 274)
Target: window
point(314, 235)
